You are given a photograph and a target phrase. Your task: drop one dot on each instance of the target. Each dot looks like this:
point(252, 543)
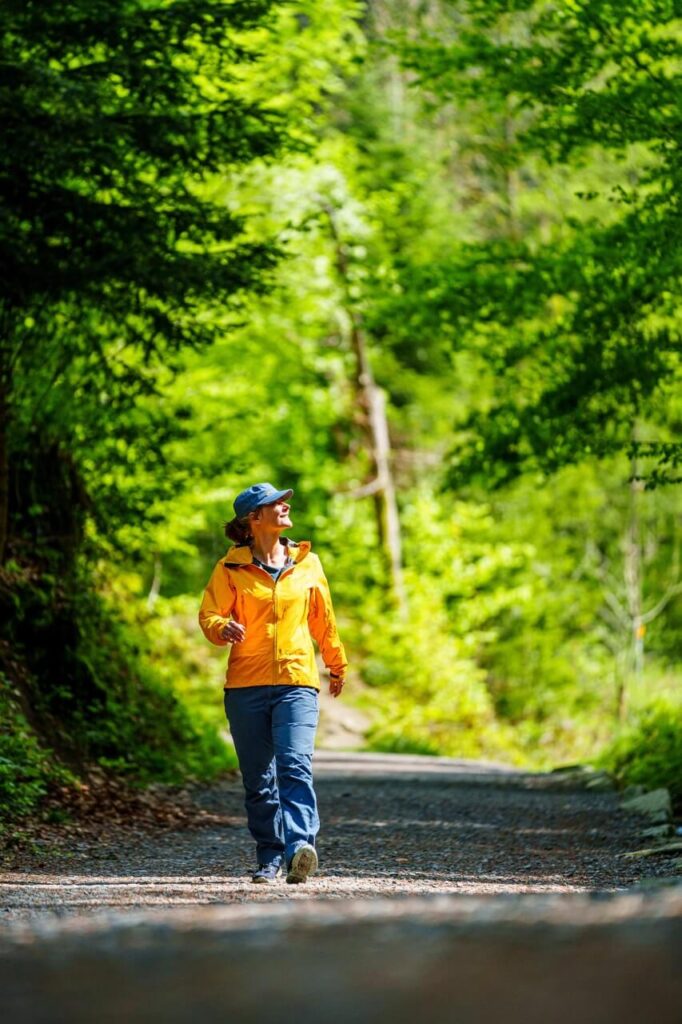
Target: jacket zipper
point(274, 601)
point(274, 652)
point(289, 568)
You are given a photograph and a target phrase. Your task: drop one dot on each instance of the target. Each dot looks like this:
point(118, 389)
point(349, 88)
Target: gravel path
point(391, 826)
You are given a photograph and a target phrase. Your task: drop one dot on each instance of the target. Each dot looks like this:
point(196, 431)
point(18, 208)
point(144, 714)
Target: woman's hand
point(335, 685)
point(233, 632)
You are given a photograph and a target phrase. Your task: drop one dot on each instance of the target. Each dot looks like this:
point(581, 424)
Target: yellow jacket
point(279, 618)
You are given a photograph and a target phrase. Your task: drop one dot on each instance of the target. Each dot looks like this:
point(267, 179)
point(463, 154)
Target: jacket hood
point(242, 555)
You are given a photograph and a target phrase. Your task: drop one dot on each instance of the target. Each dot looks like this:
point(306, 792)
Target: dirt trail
point(448, 891)
point(391, 825)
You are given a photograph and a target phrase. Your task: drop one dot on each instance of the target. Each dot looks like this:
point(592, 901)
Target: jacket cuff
point(211, 630)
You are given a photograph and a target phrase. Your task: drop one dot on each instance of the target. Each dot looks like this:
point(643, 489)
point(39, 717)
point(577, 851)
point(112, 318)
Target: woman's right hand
point(233, 632)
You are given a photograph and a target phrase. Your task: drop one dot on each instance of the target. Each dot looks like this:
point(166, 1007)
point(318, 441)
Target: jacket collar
point(242, 554)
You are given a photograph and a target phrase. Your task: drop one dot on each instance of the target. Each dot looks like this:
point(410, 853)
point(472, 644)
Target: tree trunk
point(6, 354)
point(388, 521)
point(155, 588)
point(4, 464)
point(633, 577)
point(372, 401)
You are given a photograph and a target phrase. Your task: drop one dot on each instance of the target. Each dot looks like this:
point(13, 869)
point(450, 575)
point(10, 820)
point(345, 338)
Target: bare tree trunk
point(633, 578)
point(388, 520)
point(371, 400)
point(155, 588)
point(620, 672)
point(509, 183)
point(625, 609)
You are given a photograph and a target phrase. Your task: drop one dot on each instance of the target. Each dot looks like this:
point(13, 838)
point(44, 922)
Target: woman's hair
point(239, 530)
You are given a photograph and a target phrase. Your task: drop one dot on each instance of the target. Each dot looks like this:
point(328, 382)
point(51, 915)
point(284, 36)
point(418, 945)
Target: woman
point(265, 599)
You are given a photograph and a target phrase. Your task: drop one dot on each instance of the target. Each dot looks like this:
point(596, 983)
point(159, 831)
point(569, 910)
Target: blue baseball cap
point(255, 496)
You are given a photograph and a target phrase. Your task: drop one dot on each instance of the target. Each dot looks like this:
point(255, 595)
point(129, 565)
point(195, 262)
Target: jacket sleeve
point(322, 625)
point(216, 605)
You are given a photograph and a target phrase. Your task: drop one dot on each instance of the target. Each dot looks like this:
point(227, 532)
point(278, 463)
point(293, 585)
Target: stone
point(601, 782)
point(633, 791)
point(655, 805)
point(658, 832)
point(651, 851)
point(580, 776)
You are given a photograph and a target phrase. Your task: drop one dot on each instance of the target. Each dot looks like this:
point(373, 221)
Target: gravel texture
point(391, 826)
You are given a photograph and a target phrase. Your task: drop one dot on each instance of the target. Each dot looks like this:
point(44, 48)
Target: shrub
point(27, 769)
point(428, 696)
point(649, 750)
point(77, 690)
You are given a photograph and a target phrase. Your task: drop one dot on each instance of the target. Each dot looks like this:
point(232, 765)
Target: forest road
point(447, 890)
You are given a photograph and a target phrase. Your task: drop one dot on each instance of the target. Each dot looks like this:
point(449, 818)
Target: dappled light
point(341, 495)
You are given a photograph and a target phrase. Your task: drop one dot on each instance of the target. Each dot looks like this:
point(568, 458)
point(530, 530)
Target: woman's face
point(274, 516)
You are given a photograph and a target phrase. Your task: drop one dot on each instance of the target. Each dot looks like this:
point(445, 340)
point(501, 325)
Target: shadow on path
point(122, 928)
point(392, 825)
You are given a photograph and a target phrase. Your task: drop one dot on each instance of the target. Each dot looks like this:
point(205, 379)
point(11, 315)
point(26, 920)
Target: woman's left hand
point(335, 686)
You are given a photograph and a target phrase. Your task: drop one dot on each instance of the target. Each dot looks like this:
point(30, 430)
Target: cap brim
point(277, 496)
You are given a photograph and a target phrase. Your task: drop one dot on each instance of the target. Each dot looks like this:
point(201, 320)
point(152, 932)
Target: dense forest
point(417, 260)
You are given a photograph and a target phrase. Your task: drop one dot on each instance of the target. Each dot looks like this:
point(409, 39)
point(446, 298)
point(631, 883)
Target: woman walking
point(266, 598)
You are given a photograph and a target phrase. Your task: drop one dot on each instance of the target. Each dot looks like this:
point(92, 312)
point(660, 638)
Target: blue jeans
point(273, 730)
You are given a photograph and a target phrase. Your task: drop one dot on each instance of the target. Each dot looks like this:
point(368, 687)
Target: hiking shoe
point(265, 873)
point(303, 863)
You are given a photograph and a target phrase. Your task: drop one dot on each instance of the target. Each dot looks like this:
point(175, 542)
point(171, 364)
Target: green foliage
point(431, 692)
point(504, 235)
point(111, 109)
point(183, 663)
point(648, 751)
point(114, 258)
point(115, 261)
point(429, 698)
point(572, 309)
point(27, 768)
point(512, 647)
point(89, 697)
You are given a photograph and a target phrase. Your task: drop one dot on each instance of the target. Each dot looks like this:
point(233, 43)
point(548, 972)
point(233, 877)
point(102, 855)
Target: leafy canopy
point(578, 320)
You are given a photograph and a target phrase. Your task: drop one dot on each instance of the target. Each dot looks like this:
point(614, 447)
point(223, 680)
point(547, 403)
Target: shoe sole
point(262, 880)
point(303, 863)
